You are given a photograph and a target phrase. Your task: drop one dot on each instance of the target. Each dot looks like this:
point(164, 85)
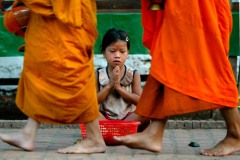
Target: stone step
point(171, 124)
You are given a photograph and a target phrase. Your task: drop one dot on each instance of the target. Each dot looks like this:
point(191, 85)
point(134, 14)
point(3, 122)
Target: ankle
point(234, 134)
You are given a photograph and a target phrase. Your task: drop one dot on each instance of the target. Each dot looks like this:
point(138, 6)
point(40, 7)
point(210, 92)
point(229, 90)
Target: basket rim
point(102, 122)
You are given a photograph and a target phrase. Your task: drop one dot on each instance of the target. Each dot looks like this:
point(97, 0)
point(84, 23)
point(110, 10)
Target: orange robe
point(57, 84)
point(189, 43)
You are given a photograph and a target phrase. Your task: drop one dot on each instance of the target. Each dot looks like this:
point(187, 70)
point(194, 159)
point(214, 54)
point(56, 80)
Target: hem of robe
point(81, 119)
point(69, 116)
point(159, 101)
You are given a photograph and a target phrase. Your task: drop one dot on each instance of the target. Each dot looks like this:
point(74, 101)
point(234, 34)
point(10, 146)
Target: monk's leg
point(101, 117)
point(94, 142)
point(150, 139)
point(144, 121)
point(231, 143)
point(25, 138)
point(135, 117)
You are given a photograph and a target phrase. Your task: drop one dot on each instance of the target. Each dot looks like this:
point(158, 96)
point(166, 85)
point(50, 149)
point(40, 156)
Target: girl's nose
point(117, 55)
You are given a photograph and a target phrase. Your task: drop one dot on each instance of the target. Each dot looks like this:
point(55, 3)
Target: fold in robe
point(189, 43)
point(57, 84)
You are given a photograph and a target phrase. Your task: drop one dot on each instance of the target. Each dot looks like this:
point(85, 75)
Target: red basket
point(110, 128)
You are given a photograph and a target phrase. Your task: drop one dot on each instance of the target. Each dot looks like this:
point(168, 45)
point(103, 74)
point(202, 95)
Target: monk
point(190, 71)
point(57, 83)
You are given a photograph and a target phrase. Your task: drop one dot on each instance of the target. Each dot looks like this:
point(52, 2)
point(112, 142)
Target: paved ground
point(175, 146)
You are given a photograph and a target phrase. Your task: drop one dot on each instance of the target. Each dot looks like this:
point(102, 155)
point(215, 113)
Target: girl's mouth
point(116, 62)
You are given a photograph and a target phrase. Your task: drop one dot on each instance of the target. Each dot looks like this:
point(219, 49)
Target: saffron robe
point(189, 43)
point(57, 84)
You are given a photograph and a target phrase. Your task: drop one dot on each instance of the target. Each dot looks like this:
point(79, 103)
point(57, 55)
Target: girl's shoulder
point(102, 74)
point(128, 76)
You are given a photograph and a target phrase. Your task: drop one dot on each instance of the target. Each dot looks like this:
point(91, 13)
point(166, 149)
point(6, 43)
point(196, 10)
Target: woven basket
point(16, 20)
point(111, 128)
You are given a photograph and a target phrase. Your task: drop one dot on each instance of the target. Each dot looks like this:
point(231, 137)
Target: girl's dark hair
point(113, 35)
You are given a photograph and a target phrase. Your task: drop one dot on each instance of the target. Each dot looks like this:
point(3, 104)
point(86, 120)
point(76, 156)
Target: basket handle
point(17, 3)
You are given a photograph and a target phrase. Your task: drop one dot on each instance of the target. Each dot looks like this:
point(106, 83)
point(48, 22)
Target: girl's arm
point(102, 94)
point(136, 90)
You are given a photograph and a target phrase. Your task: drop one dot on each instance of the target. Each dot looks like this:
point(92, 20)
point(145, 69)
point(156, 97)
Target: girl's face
point(116, 54)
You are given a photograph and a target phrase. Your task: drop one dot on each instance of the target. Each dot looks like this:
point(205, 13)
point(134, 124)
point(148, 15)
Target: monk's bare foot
point(225, 147)
point(150, 139)
point(141, 141)
point(85, 146)
point(21, 140)
point(78, 140)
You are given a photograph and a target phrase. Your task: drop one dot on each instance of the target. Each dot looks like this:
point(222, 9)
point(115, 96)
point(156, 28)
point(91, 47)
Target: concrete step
point(171, 124)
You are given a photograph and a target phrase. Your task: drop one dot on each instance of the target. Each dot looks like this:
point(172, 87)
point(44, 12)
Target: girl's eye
point(123, 51)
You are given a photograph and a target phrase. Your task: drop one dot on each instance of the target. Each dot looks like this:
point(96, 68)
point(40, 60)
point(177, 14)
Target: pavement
point(175, 146)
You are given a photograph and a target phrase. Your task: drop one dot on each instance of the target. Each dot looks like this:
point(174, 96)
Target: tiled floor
point(175, 146)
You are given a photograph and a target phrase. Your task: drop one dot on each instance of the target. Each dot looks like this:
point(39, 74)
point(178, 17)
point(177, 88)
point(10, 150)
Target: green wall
point(8, 42)
point(234, 39)
point(130, 22)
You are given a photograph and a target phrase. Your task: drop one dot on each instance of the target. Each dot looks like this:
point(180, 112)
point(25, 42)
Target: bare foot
point(21, 140)
point(85, 146)
point(78, 140)
point(141, 140)
point(225, 147)
point(150, 139)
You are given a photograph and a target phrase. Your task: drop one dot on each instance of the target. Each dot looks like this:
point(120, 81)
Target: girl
point(118, 86)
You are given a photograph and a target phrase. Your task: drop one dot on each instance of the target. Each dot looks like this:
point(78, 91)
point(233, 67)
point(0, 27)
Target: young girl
point(118, 85)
